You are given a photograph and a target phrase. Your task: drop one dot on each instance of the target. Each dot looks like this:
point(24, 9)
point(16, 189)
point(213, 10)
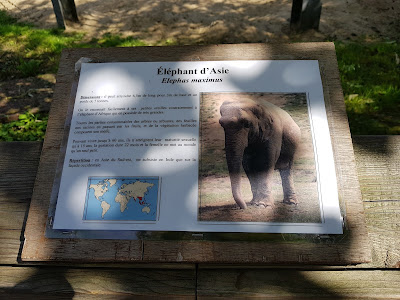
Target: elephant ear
point(263, 122)
point(246, 119)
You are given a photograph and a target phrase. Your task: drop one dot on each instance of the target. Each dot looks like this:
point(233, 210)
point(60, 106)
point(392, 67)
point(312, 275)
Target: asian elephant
point(262, 137)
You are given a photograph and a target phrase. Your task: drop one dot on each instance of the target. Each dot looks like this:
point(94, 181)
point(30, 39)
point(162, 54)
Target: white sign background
point(178, 207)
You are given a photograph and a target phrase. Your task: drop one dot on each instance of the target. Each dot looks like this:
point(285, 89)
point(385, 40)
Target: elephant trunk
point(235, 144)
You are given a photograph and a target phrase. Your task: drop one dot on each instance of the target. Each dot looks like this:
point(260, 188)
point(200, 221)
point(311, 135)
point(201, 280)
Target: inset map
point(121, 199)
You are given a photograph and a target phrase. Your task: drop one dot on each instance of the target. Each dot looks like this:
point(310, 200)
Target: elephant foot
point(290, 200)
point(263, 204)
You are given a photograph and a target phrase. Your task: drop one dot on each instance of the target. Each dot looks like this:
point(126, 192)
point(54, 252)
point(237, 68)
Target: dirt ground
point(194, 22)
point(217, 21)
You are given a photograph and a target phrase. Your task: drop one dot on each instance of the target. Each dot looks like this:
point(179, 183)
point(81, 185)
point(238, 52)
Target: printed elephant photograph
point(257, 161)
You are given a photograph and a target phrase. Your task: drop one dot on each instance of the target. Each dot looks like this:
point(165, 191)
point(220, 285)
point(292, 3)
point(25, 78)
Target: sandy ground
point(193, 22)
point(223, 21)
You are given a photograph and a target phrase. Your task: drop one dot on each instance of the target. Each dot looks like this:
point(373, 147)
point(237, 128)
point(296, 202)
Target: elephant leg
point(260, 183)
point(260, 172)
point(262, 186)
point(289, 194)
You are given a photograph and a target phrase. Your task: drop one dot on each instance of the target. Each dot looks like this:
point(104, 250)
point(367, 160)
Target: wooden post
point(69, 10)
point(305, 14)
point(58, 13)
point(65, 10)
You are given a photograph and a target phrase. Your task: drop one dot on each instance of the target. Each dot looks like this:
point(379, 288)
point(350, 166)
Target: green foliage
point(5, 18)
point(29, 51)
point(370, 76)
point(29, 67)
point(109, 40)
point(28, 127)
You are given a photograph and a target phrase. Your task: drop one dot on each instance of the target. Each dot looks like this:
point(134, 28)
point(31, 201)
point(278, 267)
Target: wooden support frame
point(350, 248)
point(65, 10)
point(305, 14)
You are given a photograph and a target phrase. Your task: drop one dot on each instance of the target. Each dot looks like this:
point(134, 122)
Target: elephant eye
point(246, 123)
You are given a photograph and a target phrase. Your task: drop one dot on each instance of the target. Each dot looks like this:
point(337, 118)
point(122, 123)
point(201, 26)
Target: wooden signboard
point(193, 205)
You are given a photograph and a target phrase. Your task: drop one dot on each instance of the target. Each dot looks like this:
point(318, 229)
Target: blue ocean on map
point(121, 199)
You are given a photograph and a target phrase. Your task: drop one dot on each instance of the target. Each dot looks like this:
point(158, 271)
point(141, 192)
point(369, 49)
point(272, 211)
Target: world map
point(121, 199)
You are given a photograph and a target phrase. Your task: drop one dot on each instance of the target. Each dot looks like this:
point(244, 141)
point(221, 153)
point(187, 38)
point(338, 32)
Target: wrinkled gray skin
point(262, 138)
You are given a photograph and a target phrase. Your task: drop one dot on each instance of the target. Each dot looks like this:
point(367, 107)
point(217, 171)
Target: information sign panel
point(198, 154)
point(220, 146)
